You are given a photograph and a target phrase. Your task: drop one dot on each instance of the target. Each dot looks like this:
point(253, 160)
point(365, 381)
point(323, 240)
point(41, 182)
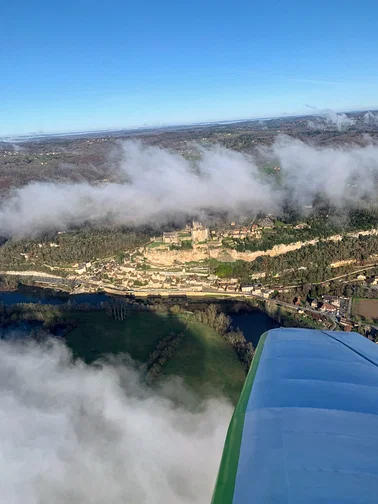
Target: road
point(366, 268)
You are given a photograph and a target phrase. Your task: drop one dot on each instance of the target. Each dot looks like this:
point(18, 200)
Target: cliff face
point(233, 255)
point(166, 257)
point(277, 250)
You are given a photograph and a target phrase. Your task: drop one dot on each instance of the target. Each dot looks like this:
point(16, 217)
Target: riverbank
point(204, 360)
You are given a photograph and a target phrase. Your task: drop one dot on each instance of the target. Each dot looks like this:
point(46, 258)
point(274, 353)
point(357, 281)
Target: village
point(143, 272)
point(174, 261)
point(186, 262)
point(135, 277)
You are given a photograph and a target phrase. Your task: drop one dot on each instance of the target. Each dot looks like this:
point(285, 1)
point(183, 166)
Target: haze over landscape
point(175, 180)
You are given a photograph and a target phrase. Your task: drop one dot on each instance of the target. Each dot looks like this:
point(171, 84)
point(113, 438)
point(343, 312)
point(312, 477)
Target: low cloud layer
point(154, 185)
point(370, 118)
point(344, 175)
point(340, 120)
point(79, 434)
point(328, 117)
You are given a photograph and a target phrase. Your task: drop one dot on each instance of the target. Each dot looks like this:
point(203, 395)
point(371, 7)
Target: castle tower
point(199, 232)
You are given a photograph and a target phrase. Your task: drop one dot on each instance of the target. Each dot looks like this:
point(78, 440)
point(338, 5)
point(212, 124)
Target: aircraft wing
point(305, 429)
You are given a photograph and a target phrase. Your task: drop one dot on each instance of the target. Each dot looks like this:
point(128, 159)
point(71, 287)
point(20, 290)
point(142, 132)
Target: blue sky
point(79, 65)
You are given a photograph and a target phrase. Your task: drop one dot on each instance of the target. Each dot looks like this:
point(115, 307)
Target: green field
point(155, 244)
point(207, 363)
point(97, 334)
point(204, 360)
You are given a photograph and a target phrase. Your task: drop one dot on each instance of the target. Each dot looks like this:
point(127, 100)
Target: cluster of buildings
point(246, 231)
point(257, 290)
point(197, 233)
point(171, 237)
point(337, 306)
point(135, 275)
point(333, 305)
point(240, 232)
point(171, 280)
point(136, 272)
point(82, 268)
point(9, 153)
point(16, 152)
point(96, 140)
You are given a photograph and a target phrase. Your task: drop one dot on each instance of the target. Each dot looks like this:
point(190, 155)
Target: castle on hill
point(199, 232)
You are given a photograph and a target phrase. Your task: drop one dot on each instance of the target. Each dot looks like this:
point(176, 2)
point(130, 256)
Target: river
point(253, 324)
point(27, 294)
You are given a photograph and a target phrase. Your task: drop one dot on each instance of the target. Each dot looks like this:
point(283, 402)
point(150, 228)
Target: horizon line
point(31, 135)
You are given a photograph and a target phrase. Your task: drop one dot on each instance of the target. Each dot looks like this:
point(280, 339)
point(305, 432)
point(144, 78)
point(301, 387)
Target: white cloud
point(80, 434)
point(370, 118)
point(329, 117)
point(155, 186)
point(329, 171)
point(160, 186)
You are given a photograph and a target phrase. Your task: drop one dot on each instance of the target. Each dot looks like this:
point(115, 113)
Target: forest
point(221, 323)
point(324, 223)
point(314, 260)
point(66, 248)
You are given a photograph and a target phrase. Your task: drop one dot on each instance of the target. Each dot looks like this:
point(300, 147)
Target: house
point(234, 233)
point(265, 293)
point(247, 288)
point(344, 322)
point(301, 225)
point(333, 300)
point(228, 285)
point(326, 307)
point(347, 328)
point(81, 269)
point(266, 222)
point(314, 304)
point(171, 237)
point(361, 277)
